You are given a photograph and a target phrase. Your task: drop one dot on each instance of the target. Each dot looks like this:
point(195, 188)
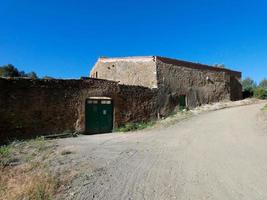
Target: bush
point(260, 93)
point(263, 84)
point(134, 126)
point(10, 70)
point(248, 85)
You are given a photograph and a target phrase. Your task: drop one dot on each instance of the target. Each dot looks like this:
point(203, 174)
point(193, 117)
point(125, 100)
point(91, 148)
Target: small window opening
point(182, 102)
point(96, 74)
point(105, 102)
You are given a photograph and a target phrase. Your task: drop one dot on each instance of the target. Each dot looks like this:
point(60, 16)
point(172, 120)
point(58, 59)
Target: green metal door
point(98, 116)
point(182, 102)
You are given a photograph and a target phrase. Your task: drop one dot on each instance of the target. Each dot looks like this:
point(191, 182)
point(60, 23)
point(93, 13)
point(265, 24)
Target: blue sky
point(64, 38)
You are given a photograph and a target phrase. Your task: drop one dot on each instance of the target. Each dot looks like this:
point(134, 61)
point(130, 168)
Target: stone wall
point(30, 108)
point(139, 71)
point(142, 103)
point(235, 88)
point(199, 83)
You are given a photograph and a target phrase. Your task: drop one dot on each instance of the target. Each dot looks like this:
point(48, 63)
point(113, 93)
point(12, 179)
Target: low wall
point(30, 108)
point(142, 103)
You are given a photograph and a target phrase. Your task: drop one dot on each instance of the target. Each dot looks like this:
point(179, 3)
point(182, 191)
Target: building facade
point(197, 83)
point(119, 91)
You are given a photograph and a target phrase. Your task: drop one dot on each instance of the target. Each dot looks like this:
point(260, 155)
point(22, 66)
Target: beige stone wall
point(140, 71)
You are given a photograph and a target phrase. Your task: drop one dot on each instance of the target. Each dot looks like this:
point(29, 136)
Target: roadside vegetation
point(172, 118)
point(252, 89)
point(134, 126)
point(26, 171)
point(10, 71)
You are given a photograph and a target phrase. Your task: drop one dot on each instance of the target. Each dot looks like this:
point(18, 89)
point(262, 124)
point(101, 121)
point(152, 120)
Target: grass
point(66, 152)
point(265, 108)
point(39, 143)
point(5, 155)
point(26, 173)
point(134, 126)
point(31, 181)
point(173, 117)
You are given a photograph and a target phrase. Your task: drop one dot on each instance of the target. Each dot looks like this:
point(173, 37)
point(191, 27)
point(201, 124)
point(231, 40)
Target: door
point(182, 102)
point(98, 116)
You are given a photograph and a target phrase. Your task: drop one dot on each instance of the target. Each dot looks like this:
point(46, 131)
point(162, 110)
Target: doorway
point(98, 115)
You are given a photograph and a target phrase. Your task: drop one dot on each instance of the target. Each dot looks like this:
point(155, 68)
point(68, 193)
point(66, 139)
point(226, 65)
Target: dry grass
point(27, 182)
point(26, 173)
point(66, 152)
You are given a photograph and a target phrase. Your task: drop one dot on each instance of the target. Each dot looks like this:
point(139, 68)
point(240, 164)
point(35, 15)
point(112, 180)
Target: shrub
point(260, 93)
point(135, 126)
point(248, 85)
point(263, 83)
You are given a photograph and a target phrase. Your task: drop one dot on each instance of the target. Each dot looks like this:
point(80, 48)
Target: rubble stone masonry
point(30, 108)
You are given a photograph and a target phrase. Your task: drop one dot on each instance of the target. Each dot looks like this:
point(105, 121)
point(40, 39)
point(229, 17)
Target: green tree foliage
point(32, 75)
point(249, 84)
point(263, 84)
point(10, 70)
point(260, 93)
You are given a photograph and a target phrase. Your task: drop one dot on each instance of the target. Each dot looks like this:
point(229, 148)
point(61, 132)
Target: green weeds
point(135, 126)
point(5, 155)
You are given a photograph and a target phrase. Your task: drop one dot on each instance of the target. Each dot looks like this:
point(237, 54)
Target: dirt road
point(216, 155)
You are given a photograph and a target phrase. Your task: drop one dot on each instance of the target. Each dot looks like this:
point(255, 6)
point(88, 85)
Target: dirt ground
point(214, 155)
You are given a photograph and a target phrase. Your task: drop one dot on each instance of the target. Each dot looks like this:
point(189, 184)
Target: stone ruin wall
point(199, 84)
point(30, 108)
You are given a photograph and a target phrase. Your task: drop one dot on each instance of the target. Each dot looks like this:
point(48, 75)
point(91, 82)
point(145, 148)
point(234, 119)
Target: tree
point(9, 70)
point(32, 75)
point(263, 84)
point(249, 85)
point(260, 93)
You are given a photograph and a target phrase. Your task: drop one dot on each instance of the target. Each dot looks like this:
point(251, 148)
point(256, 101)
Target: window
point(105, 102)
point(92, 101)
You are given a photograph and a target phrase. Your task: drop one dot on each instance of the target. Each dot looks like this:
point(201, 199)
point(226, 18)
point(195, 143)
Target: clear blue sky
point(64, 38)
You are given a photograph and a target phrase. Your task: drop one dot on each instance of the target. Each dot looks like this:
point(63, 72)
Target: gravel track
point(215, 155)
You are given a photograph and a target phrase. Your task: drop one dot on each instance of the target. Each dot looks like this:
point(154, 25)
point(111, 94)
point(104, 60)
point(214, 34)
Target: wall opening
point(98, 115)
point(182, 102)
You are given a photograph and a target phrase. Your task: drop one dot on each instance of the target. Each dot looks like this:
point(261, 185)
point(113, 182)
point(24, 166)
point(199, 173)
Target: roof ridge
point(195, 63)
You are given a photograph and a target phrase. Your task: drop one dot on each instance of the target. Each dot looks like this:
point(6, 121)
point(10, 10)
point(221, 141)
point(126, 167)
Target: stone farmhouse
point(118, 91)
point(176, 80)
